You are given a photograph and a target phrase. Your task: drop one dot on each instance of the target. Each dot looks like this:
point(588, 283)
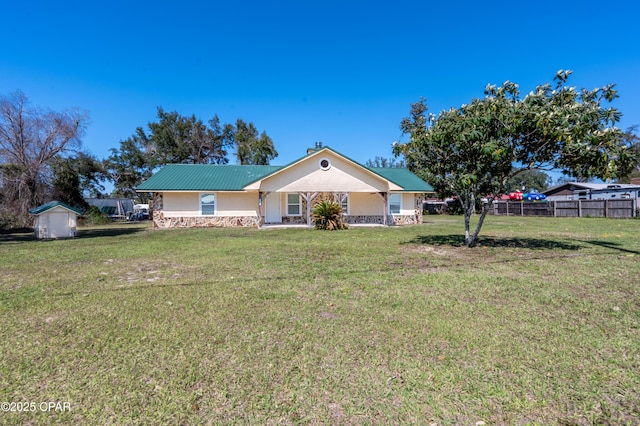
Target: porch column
point(261, 197)
point(385, 200)
point(308, 197)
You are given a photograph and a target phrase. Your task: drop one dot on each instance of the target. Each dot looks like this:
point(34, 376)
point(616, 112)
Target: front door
point(273, 213)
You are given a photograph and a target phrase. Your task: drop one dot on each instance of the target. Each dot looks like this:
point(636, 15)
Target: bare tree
point(30, 138)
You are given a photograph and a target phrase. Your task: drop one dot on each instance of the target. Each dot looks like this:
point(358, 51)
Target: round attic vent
point(325, 164)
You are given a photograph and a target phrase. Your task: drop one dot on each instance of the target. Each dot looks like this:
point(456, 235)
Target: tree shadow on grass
point(109, 232)
point(16, 235)
point(456, 240)
point(26, 234)
point(613, 246)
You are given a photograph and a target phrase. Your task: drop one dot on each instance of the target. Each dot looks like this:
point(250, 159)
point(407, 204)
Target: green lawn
point(540, 324)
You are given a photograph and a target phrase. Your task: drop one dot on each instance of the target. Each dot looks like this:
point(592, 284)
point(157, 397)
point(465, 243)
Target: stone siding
point(156, 203)
point(414, 219)
point(159, 221)
point(293, 220)
point(364, 220)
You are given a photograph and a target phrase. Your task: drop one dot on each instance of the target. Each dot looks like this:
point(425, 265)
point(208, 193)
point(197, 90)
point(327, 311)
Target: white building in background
point(117, 208)
point(55, 220)
point(593, 191)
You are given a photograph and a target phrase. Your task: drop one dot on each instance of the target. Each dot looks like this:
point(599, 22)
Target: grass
point(540, 324)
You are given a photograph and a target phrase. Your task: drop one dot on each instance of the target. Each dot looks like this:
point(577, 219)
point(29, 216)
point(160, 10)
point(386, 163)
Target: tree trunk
point(468, 238)
point(479, 226)
point(467, 209)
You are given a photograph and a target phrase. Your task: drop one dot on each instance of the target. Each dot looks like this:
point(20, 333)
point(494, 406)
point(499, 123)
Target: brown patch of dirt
point(328, 315)
point(437, 250)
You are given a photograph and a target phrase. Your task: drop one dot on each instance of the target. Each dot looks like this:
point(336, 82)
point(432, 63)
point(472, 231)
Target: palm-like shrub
point(328, 216)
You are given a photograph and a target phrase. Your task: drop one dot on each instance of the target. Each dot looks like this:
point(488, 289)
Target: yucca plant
point(328, 216)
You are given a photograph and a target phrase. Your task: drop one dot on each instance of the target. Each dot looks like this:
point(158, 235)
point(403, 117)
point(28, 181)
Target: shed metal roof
point(51, 205)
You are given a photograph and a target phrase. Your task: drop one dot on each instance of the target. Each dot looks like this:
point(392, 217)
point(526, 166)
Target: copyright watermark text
point(29, 406)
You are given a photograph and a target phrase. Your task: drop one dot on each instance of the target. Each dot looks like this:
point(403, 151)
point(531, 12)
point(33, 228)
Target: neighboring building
point(55, 220)
point(115, 208)
point(592, 191)
point(203, 195)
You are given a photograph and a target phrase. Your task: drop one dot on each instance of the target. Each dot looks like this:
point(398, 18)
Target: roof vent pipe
point(318, 145)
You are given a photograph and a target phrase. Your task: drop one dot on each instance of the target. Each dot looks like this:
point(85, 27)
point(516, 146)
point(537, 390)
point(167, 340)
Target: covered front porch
point(278, 208)
point(268, 226)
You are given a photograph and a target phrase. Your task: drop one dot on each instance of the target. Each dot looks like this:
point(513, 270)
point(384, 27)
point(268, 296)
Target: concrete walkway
point(305, 226)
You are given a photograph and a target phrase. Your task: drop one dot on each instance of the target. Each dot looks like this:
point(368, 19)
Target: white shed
point(55, 220)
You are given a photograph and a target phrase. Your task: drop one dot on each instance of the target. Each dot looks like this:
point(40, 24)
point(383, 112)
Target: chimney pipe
point(317, 148)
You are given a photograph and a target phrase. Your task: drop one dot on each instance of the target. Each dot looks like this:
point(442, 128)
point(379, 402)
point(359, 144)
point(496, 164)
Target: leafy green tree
point(470, 152)
point(128, 166)
point(180, 139)
point(251, 147)
point(630, 137)
point(528, 180)
point(385, 162)
point(66, 183)
point(73, 177)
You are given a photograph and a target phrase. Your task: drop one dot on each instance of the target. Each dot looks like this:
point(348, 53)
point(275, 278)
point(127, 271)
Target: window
point(394, 203)
point(343, 199)
point(325, 164)
point(293, 204)
point(207, 204)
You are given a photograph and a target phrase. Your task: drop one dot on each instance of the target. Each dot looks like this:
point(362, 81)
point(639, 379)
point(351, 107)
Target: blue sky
point(341, 72)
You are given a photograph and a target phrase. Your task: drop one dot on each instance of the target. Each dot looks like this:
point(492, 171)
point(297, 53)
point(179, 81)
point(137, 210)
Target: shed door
point(273, 213)
point(58, 225)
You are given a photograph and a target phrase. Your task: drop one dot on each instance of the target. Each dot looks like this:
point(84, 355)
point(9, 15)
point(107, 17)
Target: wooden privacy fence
point(567, 208)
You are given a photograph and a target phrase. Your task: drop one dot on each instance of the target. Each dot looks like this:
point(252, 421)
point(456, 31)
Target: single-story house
point(204, 195)
point(592, 191)
point(55, 220)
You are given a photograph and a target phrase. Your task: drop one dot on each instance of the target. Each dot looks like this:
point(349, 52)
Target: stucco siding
point(181, 204)
point(361, 204)
point(407, 206)
point(236, 204)
point(187, 204)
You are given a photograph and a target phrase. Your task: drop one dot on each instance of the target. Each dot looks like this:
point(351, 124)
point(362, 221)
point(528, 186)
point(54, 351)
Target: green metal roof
point(404, 178)
point(205, 177)
point(53, 204)
point(224, 177)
